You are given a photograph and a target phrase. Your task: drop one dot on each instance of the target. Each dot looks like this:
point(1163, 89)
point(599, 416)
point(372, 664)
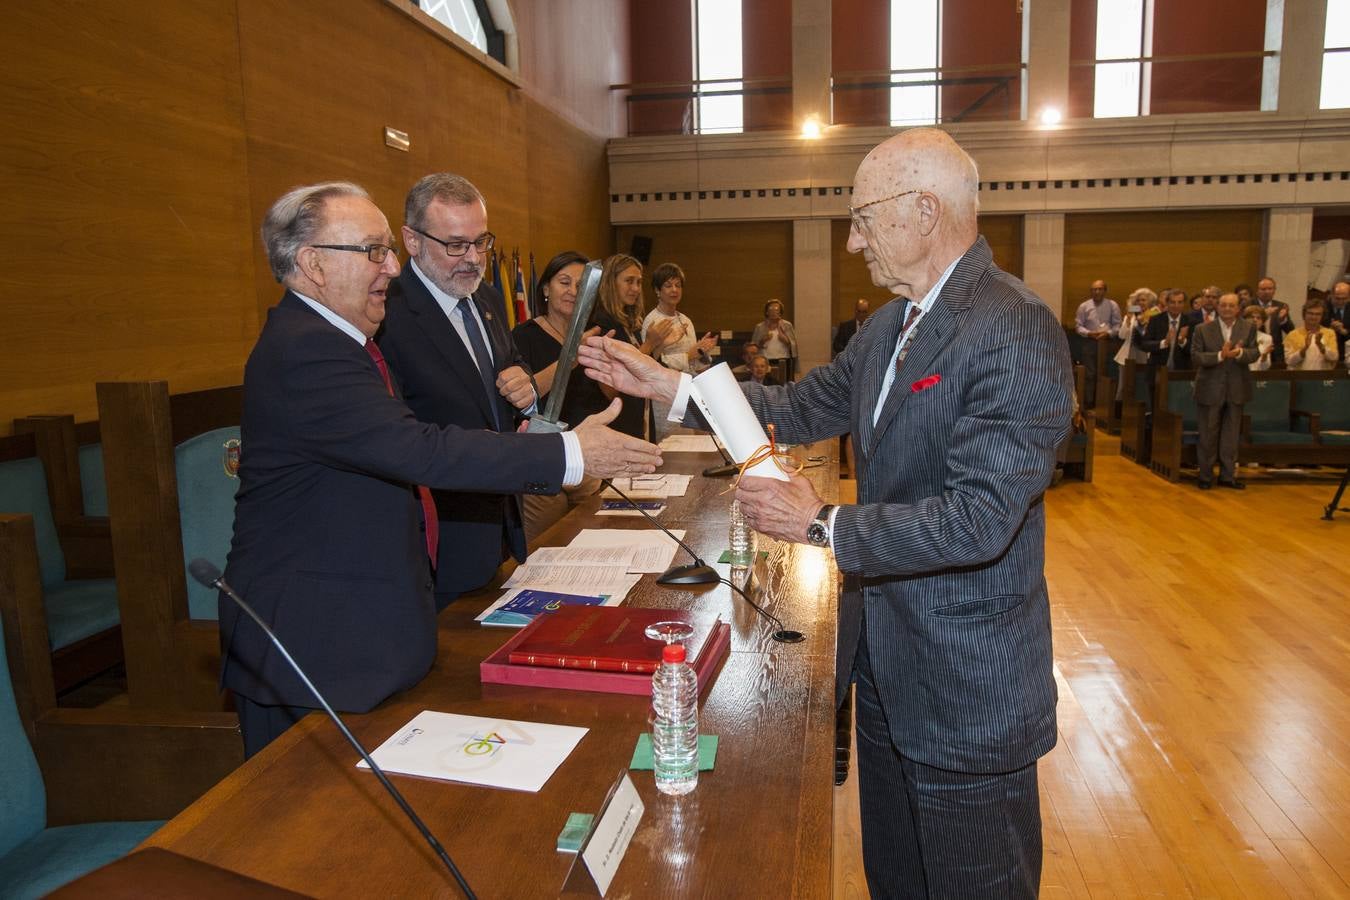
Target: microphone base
point(787, 636)
point(694, 573)
point(721, 471)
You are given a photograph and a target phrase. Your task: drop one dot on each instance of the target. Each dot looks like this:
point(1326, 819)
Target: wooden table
point(301, 816)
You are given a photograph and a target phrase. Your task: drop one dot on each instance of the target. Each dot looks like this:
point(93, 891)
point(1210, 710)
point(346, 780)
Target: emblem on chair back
point(231, 457)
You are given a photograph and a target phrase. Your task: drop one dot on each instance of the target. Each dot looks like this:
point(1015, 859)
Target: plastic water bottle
point(675, 723)
point(740, 538)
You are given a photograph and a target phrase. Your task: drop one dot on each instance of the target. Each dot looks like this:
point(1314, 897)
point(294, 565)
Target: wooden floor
point(1202, 652)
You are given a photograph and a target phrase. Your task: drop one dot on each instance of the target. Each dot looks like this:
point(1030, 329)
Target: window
point(916, 40)
point(462, 18)
point(1121, 88)
point(1336, 58)
point(719, 106)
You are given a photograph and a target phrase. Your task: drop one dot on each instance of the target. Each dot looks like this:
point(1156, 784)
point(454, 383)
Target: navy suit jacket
point(441, 385)
point(328, 544)
point(947, 539)
point(1156, 331)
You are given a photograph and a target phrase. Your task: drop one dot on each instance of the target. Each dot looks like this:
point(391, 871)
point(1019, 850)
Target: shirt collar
point(929, 298)
point(337, 321)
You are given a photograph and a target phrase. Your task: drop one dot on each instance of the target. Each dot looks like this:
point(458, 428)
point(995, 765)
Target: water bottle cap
point(673, 653)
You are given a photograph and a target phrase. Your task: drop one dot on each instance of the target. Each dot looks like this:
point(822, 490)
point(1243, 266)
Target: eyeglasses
point(460, 247)
point(374, 252)
point(853, 211)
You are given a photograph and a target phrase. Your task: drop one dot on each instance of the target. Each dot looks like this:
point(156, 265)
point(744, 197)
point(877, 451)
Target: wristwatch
point(818, 532)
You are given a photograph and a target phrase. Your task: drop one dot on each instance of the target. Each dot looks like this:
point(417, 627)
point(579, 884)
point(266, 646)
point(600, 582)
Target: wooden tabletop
point(301, 816)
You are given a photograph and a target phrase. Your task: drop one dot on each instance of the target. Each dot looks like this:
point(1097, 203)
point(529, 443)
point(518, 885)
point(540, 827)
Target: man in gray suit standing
point(1222, 352)
point(957, 397)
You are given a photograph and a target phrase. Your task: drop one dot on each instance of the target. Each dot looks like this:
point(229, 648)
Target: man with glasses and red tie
point(455, 364)
point(329, 542)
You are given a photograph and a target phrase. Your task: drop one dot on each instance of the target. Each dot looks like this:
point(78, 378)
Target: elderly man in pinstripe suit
point(957, 398)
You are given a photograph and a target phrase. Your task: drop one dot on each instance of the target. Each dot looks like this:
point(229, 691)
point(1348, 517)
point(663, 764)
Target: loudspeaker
point(641, 249)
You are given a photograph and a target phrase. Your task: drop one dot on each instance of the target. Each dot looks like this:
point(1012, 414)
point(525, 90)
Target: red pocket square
point(924, 383)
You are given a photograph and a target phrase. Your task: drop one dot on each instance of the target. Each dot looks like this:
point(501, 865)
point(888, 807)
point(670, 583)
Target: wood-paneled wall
point(731, 268)
point(143, 144)
point(1184, 249)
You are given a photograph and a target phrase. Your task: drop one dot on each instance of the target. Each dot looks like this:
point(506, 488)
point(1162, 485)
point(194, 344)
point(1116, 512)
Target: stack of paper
point(688, 443)
point(652, 550)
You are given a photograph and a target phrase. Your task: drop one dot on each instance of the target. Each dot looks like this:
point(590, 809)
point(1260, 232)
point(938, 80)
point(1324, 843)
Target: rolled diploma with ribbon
point(723, 404)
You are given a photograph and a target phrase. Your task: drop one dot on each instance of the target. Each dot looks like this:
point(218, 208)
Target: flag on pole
point(504, 285)
point(522, 305)
point(534, 282)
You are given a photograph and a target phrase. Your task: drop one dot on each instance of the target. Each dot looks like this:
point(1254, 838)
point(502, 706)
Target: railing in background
point(670, 107)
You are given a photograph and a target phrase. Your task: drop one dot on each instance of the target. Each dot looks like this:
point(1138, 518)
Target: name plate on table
point(603, 850)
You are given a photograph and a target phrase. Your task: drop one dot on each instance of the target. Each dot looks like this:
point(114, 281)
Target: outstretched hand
point(622, 367)
point(606, 453)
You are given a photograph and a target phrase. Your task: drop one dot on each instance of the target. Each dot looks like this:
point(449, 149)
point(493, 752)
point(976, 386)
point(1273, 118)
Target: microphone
point(207, 574)
point(700, 572)
point(697, 572)
point(729, 466)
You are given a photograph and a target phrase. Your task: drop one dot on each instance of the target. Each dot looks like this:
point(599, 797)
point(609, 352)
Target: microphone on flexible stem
point(729, 466)
point(702, 573)
point(208, 575)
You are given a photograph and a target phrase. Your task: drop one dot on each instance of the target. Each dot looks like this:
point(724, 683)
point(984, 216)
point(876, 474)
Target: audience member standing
point(1311, 346)
point(618, 308)
point(847, 329)
point(683, 350)
point(1141, 307)
point(540, 341)
point(1264, 342)
point(1277, 318)
point(776, 338)
point(1098, 318)
point(1222, 351)
point(1167, 336)
point(1338, 314)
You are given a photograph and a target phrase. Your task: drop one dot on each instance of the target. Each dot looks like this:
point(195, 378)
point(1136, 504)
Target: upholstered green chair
point(1329, 400)
point(76, 608)
point(35, 859)
point(1268, 415)
point(206, 489)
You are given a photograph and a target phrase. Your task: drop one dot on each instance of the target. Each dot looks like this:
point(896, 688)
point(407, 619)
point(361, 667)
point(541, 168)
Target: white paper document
point(503, 753)
point(654, 551)
point(591, 580)
point(720, 399)
point(612, 555)
point(649, 487)
point(688, 443)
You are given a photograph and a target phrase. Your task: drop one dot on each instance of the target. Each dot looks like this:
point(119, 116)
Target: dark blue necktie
point(481, 356)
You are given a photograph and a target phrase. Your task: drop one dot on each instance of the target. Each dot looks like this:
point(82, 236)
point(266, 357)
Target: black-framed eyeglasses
point(458, 247)
point(374, 252)
point(853, 211)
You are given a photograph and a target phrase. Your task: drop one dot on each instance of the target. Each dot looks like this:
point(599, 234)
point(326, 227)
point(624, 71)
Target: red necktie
point(433, 525)
point(914, 312)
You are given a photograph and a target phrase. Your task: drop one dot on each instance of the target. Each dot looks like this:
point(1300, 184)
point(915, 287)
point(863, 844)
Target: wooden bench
point(40, 477)
point(1078, 448)
point(1276, 428)
point(171, 497)
point(1136, 413)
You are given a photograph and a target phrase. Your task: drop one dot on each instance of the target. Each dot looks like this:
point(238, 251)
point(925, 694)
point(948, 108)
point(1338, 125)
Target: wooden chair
point(170, 492)
point(1175, 425)
point(111, 763)
point(1078, 448)
point(40, 477)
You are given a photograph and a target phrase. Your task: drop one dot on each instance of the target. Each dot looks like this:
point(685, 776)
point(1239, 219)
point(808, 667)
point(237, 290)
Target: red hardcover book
point(496, 670)
point(604, 638)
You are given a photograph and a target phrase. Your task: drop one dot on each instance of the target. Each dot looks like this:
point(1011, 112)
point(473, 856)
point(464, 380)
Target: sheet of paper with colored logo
point(503, 753)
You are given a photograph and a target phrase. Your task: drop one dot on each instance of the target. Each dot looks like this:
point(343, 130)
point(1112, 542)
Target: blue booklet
point(521, 609)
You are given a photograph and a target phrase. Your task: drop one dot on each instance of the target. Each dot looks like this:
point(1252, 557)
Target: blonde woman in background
point(618, 308)
point(1142, 306)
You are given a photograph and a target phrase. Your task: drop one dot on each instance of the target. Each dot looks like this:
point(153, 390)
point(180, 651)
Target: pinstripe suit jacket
point(948, 538)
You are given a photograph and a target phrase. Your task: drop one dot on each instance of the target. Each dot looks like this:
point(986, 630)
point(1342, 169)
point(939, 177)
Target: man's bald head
point(915, 200)
point(923, 159)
